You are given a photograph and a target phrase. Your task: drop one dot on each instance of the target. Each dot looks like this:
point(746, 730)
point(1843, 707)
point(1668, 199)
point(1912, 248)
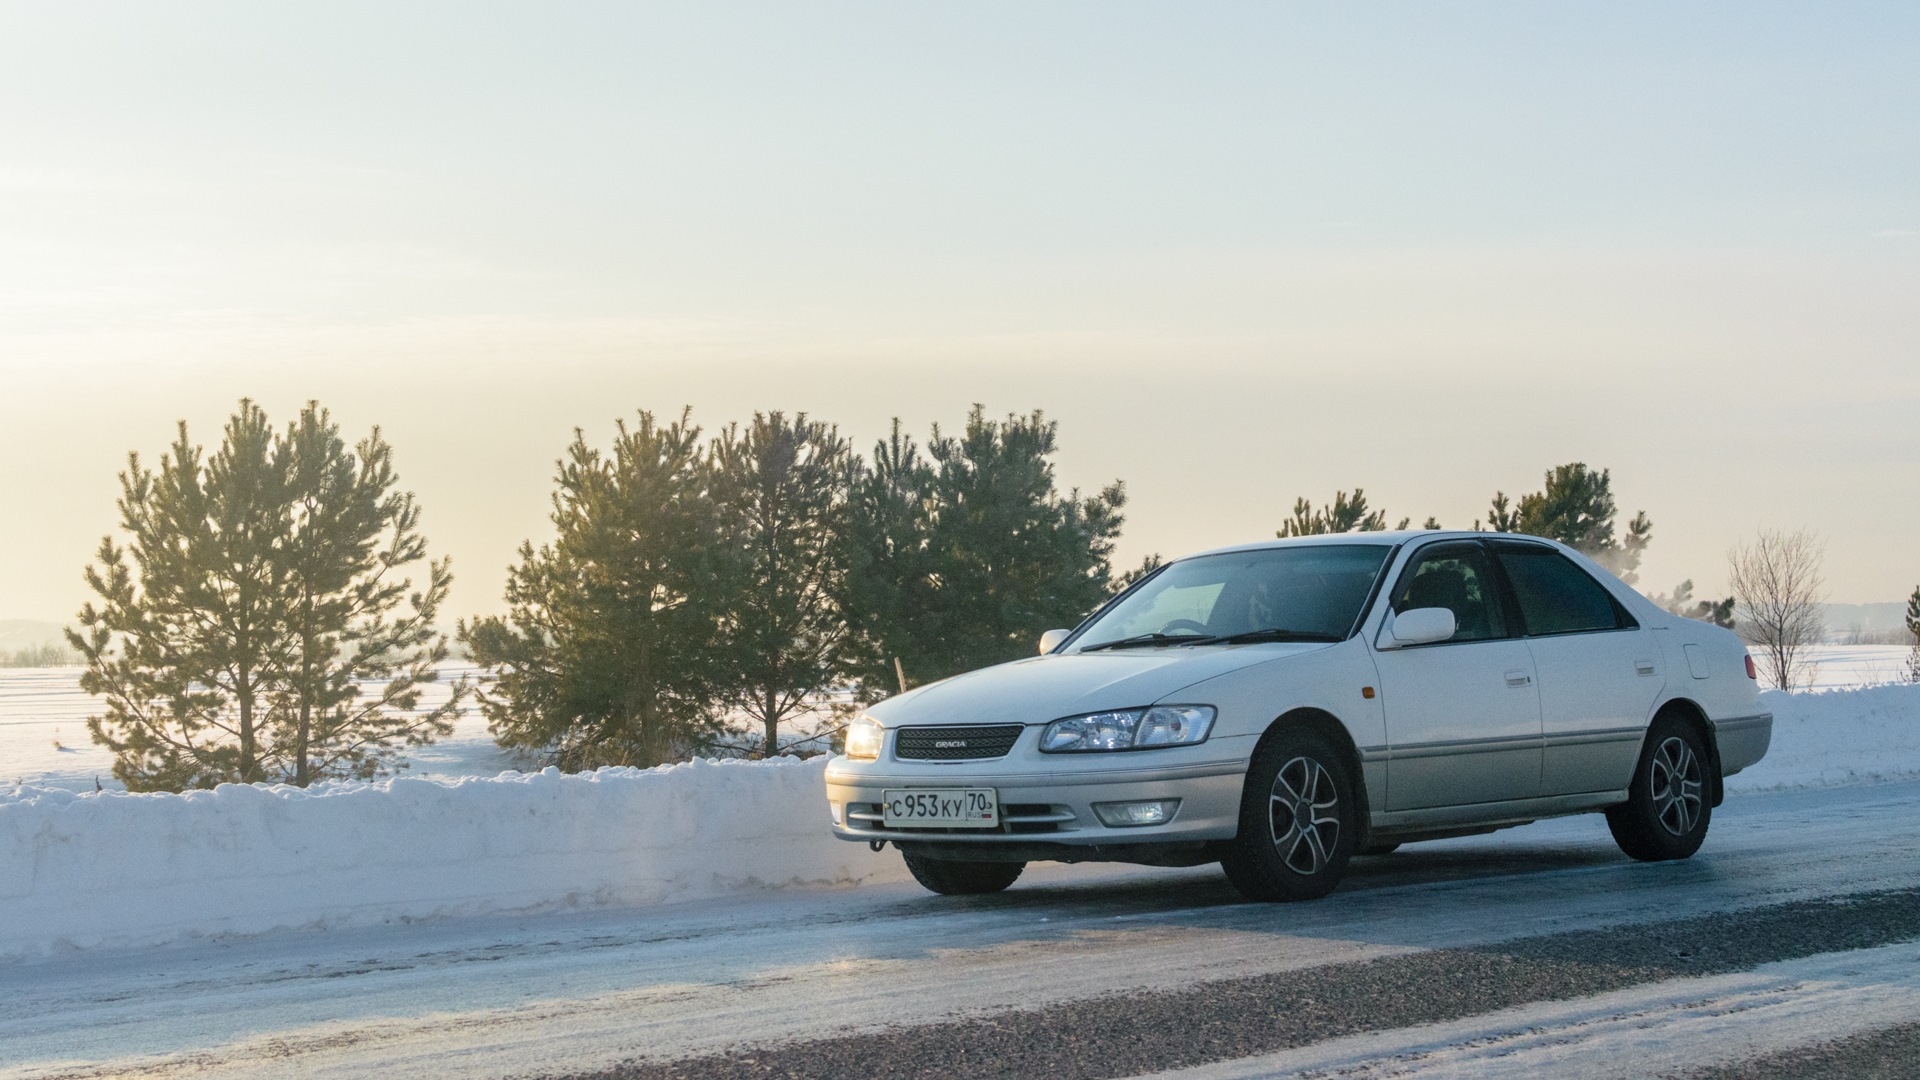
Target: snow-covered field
point(44, 740)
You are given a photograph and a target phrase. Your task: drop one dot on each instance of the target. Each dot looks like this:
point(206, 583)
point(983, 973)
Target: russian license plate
point(949, 808)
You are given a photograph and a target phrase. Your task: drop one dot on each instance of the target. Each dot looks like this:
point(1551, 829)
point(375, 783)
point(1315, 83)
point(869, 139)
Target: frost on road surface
point(805, 976)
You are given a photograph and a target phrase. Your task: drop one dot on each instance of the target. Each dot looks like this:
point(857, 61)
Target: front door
point(1463, 715)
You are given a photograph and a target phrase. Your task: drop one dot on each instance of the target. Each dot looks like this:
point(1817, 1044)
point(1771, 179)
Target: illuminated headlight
point(1131, 729)
point(863, 739)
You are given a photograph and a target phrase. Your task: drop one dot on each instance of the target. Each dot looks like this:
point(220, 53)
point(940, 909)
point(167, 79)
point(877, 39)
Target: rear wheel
point(1667, 810)
point(1297, 817)
point(950, 877)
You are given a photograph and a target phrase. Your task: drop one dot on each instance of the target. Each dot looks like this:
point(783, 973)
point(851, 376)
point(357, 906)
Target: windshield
point(1312, 591)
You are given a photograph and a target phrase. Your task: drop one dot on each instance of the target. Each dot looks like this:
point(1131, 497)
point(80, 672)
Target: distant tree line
point(44, 654)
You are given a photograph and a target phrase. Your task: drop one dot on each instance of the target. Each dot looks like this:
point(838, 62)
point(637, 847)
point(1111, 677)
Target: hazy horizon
point(1242, 253)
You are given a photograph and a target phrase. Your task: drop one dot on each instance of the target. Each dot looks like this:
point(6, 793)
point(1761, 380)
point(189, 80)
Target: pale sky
point(1240, 251)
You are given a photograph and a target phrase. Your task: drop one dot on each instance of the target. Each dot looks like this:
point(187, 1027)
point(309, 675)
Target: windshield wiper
point(1142, 641)
point(1276, 633)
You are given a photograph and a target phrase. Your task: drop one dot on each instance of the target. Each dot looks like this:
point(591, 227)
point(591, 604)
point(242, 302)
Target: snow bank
point(1835, 737)
point(121, 869)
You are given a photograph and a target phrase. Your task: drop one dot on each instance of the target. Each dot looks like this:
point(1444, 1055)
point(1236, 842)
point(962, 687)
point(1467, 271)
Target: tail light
point(1751, 674)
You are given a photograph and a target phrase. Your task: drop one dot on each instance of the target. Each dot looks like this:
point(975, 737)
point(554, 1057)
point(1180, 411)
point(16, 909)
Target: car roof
point(1380, 539)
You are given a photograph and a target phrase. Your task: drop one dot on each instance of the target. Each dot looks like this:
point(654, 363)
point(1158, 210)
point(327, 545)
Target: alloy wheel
point(1674, 785)
point(1305, 815)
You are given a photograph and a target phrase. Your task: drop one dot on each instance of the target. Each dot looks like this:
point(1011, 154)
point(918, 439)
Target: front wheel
point(1297, 821)
point(1667, 810)
point(951, 877)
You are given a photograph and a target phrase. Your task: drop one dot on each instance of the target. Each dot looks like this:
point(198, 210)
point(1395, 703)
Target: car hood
point(1044, 688)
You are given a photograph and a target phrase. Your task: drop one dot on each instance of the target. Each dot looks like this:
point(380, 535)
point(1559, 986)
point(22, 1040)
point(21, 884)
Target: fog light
point(1127, 815)
point(839, 813)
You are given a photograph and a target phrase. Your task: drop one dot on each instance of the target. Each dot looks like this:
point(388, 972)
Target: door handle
point(1644, 667)
point(1519, 678)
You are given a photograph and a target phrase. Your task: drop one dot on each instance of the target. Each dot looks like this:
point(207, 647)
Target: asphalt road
point(1539, 951)
point(1130, 1033)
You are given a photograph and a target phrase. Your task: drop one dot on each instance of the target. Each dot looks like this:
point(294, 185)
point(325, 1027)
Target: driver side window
point(1458, 577)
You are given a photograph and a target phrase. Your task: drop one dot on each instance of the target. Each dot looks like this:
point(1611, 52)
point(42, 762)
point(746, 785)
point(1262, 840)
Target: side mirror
point(1051, 640)
point(1418, 626)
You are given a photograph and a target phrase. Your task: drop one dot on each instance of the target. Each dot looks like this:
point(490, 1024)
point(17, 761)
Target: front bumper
point(1052, 807)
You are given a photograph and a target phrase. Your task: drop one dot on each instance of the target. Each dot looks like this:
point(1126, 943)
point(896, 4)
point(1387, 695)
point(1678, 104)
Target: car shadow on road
point(1144, 893)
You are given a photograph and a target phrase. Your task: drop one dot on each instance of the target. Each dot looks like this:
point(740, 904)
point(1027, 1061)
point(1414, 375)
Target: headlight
point(863, 739)
point(1131, 729)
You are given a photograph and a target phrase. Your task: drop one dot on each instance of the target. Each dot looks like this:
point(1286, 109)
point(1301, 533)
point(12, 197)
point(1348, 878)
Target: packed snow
point(1832, 737)
point(117, 868)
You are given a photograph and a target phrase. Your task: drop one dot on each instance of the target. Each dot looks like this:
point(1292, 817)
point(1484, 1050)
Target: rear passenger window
point(1556, 596)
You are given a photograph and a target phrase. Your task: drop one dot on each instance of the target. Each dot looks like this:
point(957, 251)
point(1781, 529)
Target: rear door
point(1599, 670)
point(1463, 718)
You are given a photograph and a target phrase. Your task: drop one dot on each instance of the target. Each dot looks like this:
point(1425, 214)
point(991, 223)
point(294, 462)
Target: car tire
point(950, 877)
point(1668, 808)
point(1379, 849)
point(1298, 816)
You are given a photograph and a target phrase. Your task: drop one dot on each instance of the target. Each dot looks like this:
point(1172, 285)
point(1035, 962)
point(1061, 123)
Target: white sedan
point(1281, 707)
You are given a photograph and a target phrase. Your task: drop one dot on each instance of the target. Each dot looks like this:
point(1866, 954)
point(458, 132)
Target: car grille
point(955, 743)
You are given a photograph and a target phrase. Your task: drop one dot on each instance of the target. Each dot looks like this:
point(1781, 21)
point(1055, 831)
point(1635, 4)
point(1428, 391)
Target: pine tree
point(891, 578)
point(611, 651)
point(1683, 604)
point(963, 558)
point(1913, 628)
point(220, 626)
point(1344, 514)
point(185, 644)
point(783, 490)
point(1014, 556)
point(1576, 507)
point(1147, 566)
point(353, 618)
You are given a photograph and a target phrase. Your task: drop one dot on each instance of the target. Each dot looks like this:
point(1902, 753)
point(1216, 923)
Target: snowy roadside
point(1827, 738)
point(109, 869)
point(119, 869)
